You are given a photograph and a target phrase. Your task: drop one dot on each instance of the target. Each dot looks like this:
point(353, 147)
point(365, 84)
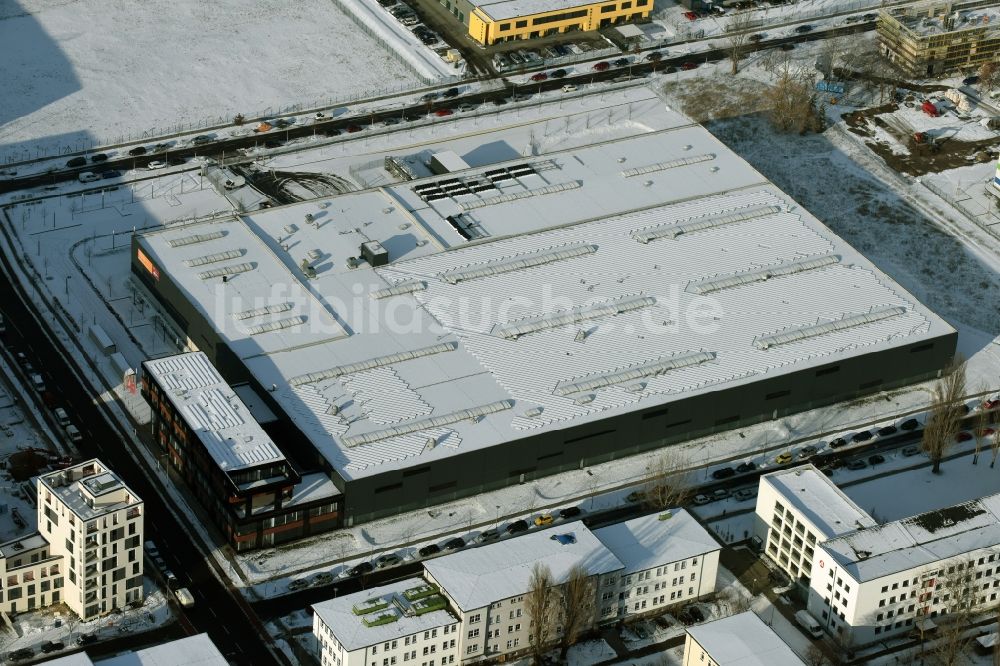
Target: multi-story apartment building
point(31, 575)
point(87, 550)
point(798, 508)
point(738, 640)
point(880, 581)
point(932, 38)
point(197, 650)
point(253, 491)
point(472, 603)
point(95, 522)
point(406, 622)
point(667, 559)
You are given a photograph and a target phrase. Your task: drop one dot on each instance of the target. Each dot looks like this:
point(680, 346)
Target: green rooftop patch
point(380, 619)
point(429, 604)
point(370, 606)
point(420, 591)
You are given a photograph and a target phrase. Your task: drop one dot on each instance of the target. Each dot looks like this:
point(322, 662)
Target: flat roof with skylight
point(584, 265)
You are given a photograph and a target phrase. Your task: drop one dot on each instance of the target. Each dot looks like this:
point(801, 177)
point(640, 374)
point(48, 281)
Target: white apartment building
point(95, 522)
point(478, 610)
point(87, 550)
point(885, 580)
point(798, 508)
point(738, 640)
point(197, 650)
point(668, 558)
point(406, 622)
point(486, 585)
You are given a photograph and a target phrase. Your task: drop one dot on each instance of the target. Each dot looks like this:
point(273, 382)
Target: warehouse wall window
point(607, 8)
point(504, 26)
point(564, 16)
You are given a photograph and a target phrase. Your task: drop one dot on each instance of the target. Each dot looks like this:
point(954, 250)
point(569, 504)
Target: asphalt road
point(404, 114)
point(216, 611)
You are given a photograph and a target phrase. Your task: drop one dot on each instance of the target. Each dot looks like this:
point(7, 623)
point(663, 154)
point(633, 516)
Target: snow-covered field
point(91, 71)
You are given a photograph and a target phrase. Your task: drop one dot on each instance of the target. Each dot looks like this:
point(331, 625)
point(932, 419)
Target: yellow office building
point(493, 21)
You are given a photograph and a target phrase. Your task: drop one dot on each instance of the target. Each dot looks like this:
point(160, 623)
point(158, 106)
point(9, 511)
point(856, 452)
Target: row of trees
point(558, 613)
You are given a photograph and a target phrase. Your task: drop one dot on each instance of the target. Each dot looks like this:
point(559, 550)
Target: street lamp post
point(496, 523)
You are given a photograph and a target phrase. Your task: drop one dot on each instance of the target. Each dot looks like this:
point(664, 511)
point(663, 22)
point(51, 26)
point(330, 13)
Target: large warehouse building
point(433, 339)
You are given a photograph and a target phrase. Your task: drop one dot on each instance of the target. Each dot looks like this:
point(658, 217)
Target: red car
point(601, 66)
point(354, 128)
point(690, 16)
point(985, 432)
point(991, 404)
point(443, 112)
point(541, 76)
point(689, 65)
point(963, 436)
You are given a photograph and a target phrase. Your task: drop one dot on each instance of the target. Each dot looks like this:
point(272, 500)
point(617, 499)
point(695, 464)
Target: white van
point(184, 597)
point(38, 382)
point(809, 623)
point(74, 433)
point(62, 417)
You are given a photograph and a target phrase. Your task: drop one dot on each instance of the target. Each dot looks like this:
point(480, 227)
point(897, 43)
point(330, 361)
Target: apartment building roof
point(813, 495)
point(198, 650)
point(919, 541)
point(22, 544)
point(500, 10)
point(932, 18)
point(85, 488)
point(743, 640)
point(480, 576)
point(587, 261)
point(651, 541)
point(384, 613)
point(213, 410)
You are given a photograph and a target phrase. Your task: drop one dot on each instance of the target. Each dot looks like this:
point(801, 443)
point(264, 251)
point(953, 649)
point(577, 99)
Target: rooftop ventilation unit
point(400, 288)
point(372, 363)
point(701, 223)
point(738, 279)
point(214, 258)
point(663, 166)
point(277, 325)
point(225, 271)
point(374, 253)
point(515, 329)
point(851, 321)
point(473, 413)
point(501, 266)
point(266, 310)
point(195, 238)
point(636, 372)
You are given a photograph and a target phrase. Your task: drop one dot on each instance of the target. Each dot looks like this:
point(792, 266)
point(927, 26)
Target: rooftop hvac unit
point(374, 253)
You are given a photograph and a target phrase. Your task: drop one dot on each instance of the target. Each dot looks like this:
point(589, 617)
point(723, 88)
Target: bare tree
point(989, 75)
point(979, 431)
point(815, 656)
point(994, 448)
point(945, 413)
point(578, 596)
point(960, 585)
point(791, 101)
point(668, 485)
point(737, 38)
point(539, 603)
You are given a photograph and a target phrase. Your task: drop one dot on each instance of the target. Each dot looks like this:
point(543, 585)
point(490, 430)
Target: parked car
point(201, 139)
point(787, 47)
point(720, 494)
point(544, 519)
point(86, 639)
point(361, 569)
point(876, 459)
point(454, 544)
point(449, 93)
point(97, 158)
point(885, 431)
point(52, 646)
point(857, 464)
point(387, 560)
point(757, 37)
point(745, 467)
point(807, 452)
point(600, 66)
point(803, 29)
point(353, 128)
point(569, 87)
point(745, 493)
point(701, 500)
point(909, 451)
point(558, 74)
point(689, 66)
point(138, 150)
point(156, 164)
point(970, 80)
point(20, 655)
point(297, 584)
point(723, 473)
point(441, 113)
point(322, 578)
point(87, 177)
point(427, 551)
point(783, 458)
point(635, 496)
point(869, 17)
point(539, 77)
point(77, 162)
point(837, 443)
point(991, 404)
point(570, 512)
point(489, 535)
point(690, 16)
point(106, 175)
point(963, 436)
point(654, 56)
point(862, 436)
point(517, 526)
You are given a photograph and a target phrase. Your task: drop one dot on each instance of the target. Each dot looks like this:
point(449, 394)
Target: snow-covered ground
point(89, 72)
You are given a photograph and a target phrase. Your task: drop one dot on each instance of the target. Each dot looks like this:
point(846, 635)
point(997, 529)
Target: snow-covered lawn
point(94, 71)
